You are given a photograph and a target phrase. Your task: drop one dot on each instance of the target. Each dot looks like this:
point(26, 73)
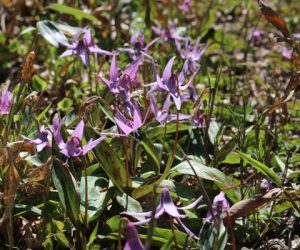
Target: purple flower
point(113, 82)
point(163, 116)
point(5, 101)
point(198, 119)
point(139, 46)
point(131, 70)
point(170, 83)
point(265, 185)
point(257, 36)
point(121, 85)
point(137, 40)
point(73, 147)
point(168, 34)
point(185, 6)
point(42, 139)
point(128, 126)
point(167, 206)
point(133, 241)
point(285, 52)
point(192, 54)
point(219, 204)
point(84, 47)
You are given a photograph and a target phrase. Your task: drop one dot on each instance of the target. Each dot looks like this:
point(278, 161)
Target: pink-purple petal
point(91, 144)
point(78, 131)
point(133, 241)
point(113, 68)
point(168, 70)
point(192, 205)
point(188, 231)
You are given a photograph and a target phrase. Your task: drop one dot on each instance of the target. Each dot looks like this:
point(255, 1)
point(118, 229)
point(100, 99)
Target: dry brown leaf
point(39, 173)
point(274, 18)
point(295, 59)
point(12, 181)
point(274, 107)
point(291, 87)
point(248, 206)
point(33, 188)
point(3, 157)
point(27, 67)
point(20, 146)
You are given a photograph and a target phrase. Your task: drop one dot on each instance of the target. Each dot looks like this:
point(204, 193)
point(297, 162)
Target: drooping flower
point(73, 147)
point(113, 82)
point(139, 46)
point(166, 206)
point(133, 241)
point(128, 126)
point(168, 83)
point(131, 71)
point(121, 85)
point(5, 101)
point(192, 55)
point(83, 47)
point(43, 139)
point(220, 204)
point(163, 116)
point(171, 83)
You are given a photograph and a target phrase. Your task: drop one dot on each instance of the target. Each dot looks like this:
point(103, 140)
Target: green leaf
point(202, 171)
point(181, 237)
point(51, 33)
point(110, 161)
point(76, 13)
point(97, 196)
point(130, 204)
point(260, 167)
point(151, 150)
point(168, 244)
point(43, 114)
point(65, 104)
point(232, 158)
point(211, 235)
point(208, 173)
point(159, 131)
point(67, 189)
point(62, 239)
point(143, 190)
point(38, 83)
point(93, 236)
point(213, 131)
point(27, 30)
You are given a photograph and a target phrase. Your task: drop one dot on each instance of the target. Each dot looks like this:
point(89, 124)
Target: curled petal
point(192, 205)
point(188, 231)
